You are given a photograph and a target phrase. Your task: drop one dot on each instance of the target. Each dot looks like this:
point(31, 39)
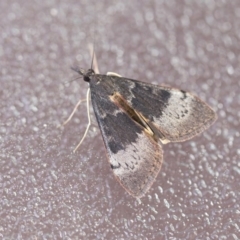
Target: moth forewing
point(134, 155)
point(178, 115)
point(184, 117)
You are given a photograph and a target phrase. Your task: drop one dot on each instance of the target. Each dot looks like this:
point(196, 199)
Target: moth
point(135, 118)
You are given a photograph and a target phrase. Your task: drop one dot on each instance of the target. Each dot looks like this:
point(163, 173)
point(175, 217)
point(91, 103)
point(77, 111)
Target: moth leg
point(95, 66)
point(73, 112)
point(89, 122)
point(113, 74)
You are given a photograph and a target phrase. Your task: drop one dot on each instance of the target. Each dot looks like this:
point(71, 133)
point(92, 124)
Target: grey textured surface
point(47, 191)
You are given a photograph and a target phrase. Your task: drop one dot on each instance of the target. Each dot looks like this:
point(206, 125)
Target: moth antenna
point(94, 64)
point(92, 53)
point(74, 79)
point(89, 121)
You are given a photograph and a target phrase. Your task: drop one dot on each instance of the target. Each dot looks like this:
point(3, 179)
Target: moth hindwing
point(134, 117)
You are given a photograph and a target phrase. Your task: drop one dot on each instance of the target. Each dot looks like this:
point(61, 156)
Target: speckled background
point(49, 192)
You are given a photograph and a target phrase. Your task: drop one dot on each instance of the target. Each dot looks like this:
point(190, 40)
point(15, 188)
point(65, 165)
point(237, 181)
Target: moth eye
point(86, 79)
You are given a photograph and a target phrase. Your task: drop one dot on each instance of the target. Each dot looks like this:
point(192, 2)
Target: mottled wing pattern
point(175, 114)
point(133, 115)
point(134, 156)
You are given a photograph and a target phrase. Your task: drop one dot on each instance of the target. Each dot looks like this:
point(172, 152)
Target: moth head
point(86, 74)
